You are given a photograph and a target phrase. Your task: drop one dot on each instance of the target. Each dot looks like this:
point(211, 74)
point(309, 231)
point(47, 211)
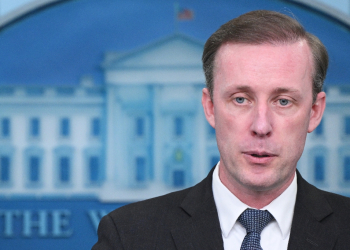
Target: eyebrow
point(285, 90)
point(279, 90)
point(244, 88)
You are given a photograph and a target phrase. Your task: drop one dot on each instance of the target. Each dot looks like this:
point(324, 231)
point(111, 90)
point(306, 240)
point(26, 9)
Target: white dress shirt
point(275, 235)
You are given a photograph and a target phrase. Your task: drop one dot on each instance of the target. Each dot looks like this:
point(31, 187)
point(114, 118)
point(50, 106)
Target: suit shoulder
point(315, 198)
point(148, 224)
point(141, 223)
point(340, 206)
point(149, 208)
point(337, 201)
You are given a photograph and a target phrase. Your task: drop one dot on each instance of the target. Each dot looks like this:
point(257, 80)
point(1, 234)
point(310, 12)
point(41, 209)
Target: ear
point(317, 110)
point(208, 107)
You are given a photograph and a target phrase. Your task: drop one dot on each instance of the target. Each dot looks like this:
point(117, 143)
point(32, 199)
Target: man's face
point(262, 110)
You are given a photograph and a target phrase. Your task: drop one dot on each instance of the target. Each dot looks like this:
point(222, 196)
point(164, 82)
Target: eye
point(283, 102)
point(240, 99)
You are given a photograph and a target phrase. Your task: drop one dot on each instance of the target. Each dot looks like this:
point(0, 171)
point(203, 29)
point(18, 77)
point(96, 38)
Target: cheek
point(230, 123)
point(230, 131)
point(294, 133)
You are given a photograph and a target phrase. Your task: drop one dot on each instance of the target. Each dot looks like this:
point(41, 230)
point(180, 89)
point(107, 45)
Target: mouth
point(259, 157)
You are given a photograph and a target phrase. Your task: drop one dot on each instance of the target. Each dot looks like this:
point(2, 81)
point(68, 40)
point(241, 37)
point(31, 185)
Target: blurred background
point(100, 106)
point(343, 6)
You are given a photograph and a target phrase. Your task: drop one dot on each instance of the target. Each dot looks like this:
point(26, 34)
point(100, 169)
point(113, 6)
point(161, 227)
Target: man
point(264, 77)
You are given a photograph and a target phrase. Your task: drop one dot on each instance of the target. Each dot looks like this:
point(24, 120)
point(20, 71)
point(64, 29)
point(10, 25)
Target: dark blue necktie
point(254, 222)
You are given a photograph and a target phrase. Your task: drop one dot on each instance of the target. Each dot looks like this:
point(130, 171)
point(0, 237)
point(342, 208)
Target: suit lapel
point(202, 229)
point(311, 227)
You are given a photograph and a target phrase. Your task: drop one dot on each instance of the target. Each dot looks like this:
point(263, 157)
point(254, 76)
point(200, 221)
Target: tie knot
point(255, 220)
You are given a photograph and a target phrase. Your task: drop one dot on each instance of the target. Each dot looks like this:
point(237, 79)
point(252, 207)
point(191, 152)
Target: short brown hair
point(264, 27)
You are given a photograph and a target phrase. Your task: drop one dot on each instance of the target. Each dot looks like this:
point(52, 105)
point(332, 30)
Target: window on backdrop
point(140, 169)
point(346, 168)
point(5, 127)
point(4, 168)
point(178, 178)
point(179, 126)
point(34, 127)
point(34, 169)
point(140, 126)
point(95, 127)
point(94, 169)
point(64, 170)
point(65, 127)
point(319, 168)
point(347, 125)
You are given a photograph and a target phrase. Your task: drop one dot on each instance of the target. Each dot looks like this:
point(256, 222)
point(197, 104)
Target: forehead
point(299, 48)
point(281, 62)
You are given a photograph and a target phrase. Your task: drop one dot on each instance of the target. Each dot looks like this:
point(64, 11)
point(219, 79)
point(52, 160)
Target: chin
point(262, 187)
point(258, 186)
point(261, 181)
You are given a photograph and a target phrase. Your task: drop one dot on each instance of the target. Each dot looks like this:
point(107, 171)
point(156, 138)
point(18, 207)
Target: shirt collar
point(282, 208)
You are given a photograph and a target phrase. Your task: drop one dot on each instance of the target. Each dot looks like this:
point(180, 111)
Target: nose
point(262, 121)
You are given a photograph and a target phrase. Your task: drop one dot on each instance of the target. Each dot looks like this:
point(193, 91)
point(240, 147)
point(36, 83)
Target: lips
point(259, 153)
point(259, 157)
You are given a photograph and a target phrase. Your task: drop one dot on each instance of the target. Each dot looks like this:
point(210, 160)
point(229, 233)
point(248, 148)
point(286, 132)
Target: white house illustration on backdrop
point(140, 134)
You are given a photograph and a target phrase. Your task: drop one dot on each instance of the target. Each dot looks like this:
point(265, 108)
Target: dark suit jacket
point(188, 220)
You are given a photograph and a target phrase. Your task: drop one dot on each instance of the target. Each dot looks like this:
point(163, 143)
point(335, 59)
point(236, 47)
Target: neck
point(254, 197)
